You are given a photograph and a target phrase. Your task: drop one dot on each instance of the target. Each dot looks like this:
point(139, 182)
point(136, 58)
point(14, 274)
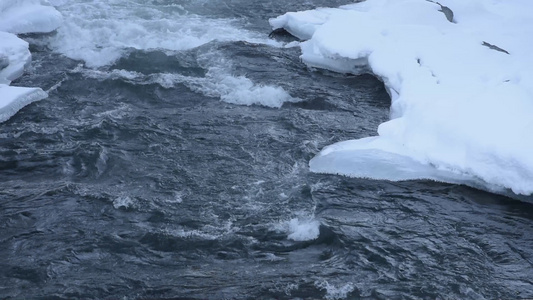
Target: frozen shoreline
point(461, 91)
point(460, 76)
point(17, 17)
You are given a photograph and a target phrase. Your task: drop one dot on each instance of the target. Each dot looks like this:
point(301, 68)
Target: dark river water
point(140, 178)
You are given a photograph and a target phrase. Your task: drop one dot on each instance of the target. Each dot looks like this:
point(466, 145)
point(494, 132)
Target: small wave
point(238, 90)
point(303, 229)
point(241, 90)
point(335, 292)
point(123, 202)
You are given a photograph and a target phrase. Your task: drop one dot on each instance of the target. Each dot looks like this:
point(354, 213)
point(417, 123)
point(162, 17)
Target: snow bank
point(28, 16)
point(14, 57)
point(460, 75)
point(13, 98)
point(20, 16)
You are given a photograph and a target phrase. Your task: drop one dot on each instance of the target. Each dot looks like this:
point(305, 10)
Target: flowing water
point(170, 161)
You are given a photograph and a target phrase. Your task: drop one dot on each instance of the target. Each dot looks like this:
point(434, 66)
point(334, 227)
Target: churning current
point(171, 161)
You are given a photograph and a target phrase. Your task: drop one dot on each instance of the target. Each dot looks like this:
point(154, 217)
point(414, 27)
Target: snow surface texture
point(14, 98)
point(460, 76)
point(14, 57)
point(28, 16)
point(16, 17)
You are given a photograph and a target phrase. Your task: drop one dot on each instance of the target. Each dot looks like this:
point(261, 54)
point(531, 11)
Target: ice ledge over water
point(14, 98)
point(461, 87)
point(14, 57)
point(28, 16)
point(20, 16)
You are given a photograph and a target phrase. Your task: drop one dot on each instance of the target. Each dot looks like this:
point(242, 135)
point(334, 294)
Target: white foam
point(462, 109)
point(305, 229)
point(217, 83)
point(98, 32)
point(333, 292)
point(240, 90)
point(207, 232)
point(123, 202)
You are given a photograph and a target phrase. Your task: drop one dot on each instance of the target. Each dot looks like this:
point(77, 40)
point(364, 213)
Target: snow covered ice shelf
point(20, 16)
point(14, 57)
point(460, 76)
point(14, 98)
point(28, 16)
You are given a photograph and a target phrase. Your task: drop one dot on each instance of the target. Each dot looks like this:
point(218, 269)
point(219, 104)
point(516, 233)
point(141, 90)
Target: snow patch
point(20, 16)
point(28, 16)
point(12, 99)
point(14, 57)
point(461, 91)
